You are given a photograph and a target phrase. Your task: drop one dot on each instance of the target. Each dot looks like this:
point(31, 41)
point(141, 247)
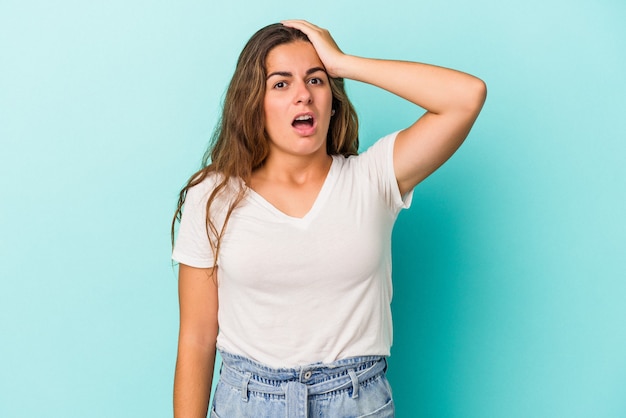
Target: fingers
point(324, 44)
point(302, 25)
point(315, 33)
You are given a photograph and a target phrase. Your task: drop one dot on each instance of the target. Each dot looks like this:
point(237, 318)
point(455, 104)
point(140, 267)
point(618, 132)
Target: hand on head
point(324, 45)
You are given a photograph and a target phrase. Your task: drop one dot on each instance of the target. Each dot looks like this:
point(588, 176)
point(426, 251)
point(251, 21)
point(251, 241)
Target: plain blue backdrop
point(509, 271)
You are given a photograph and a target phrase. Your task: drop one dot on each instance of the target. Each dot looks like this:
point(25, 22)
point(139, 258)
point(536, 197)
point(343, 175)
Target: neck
point(295, 169)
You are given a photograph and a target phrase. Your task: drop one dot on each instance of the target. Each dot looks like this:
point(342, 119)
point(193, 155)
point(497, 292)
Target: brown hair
point(239, 144)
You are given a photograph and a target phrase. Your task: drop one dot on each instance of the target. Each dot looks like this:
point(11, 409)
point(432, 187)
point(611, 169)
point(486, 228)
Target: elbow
point(471, 97)
point(478, 94)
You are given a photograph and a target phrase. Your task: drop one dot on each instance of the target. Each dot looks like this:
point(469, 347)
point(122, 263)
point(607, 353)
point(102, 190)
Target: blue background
point(510, 298)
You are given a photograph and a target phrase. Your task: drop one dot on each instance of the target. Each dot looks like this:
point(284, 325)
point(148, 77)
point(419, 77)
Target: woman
point(285, 235)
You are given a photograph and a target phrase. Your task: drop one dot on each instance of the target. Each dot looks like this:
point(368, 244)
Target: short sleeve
point(377, 161)
point(192, 246)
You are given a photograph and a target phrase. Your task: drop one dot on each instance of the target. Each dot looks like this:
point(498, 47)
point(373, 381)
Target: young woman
point(285, 233)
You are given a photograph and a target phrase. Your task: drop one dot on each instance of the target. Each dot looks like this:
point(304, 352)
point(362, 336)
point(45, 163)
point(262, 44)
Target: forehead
point(297, 55)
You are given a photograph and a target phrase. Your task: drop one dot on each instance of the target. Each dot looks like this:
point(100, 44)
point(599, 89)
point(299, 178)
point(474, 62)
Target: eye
point(280, 85)
point(315, 80)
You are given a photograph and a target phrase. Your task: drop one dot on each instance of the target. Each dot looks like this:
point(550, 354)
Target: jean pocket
point(385, 411)
point(213, 414)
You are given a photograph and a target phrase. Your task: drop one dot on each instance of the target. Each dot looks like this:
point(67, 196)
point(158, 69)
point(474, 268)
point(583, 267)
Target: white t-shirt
point(295, 291)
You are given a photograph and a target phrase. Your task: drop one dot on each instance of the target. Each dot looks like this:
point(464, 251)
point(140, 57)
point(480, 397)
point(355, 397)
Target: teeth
point(304, 117)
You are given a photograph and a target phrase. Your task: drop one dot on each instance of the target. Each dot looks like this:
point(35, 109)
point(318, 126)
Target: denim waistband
point(297, 384)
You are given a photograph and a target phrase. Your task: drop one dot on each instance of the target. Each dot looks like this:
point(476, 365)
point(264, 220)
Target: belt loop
point(244, 386)
point(296, 397)
point(355, 383)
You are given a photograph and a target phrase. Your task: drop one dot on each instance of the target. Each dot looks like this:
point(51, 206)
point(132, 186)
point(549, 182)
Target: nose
point(303, 94)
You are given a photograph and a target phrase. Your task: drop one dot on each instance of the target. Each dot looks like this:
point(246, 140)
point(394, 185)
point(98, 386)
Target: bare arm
point(452, 100)
point(196, 341)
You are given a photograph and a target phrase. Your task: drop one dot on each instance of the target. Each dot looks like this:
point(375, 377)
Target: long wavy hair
point(239, 145)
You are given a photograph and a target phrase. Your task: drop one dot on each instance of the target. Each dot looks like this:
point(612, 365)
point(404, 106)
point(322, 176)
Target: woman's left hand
point(324, 44)
point(452, 100)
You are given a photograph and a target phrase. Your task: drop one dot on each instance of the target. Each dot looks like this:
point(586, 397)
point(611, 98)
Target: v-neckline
point(318, 203)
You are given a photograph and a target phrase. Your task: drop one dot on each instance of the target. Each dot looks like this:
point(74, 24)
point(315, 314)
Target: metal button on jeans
point(307, 375)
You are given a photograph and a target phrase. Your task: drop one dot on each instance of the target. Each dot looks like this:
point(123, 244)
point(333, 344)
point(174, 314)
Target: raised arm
point(196, 341)
point(452, 100)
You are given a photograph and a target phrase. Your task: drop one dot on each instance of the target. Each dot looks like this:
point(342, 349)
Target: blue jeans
point(349, 388)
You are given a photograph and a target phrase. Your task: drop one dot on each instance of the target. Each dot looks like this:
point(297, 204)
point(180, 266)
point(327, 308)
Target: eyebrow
point(288, 74)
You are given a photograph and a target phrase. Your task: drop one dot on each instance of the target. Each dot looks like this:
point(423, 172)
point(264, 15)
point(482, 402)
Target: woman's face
point(298, 100)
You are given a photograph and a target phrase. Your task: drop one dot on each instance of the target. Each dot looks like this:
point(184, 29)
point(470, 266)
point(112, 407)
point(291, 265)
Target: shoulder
point(214, 182)
point(375, 167)
point(383, 145)
point(380, 152)
point(215, 193)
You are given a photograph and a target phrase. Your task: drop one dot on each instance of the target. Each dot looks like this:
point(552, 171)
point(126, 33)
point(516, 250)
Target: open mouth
point(303, 121)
